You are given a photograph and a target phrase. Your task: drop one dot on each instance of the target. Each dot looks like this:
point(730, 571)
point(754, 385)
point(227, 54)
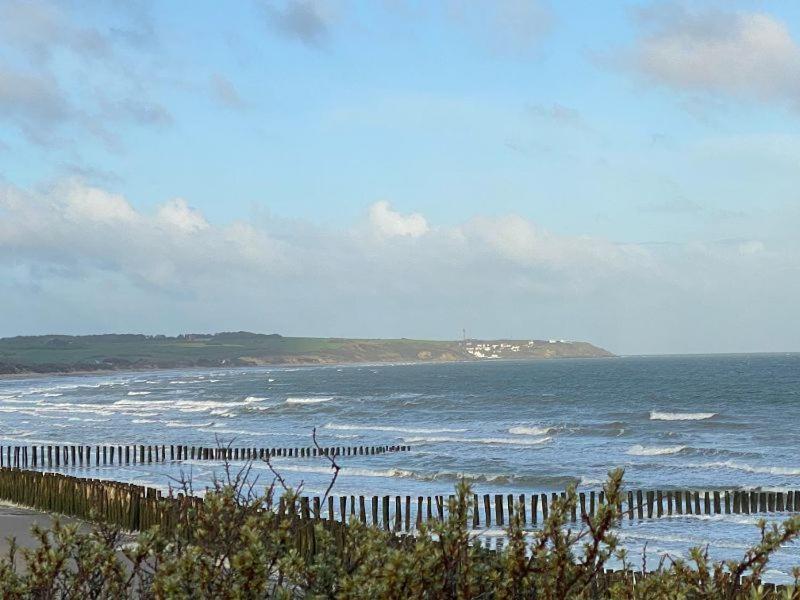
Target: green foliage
point(237, 545)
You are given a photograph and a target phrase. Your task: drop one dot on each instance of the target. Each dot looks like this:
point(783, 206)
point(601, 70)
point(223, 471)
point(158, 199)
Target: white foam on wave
point(676, 416)
point(270, 380)
point(761, 470)
point(18, 400)
point(186, 406)
point(133, 404)
point(189, 406)
point(530, 430)
point(389, 428)
point(139, 393)
point(639, 450)
point(185, 424)
point(348, 471)
point(217, 429)
point(144, 421)
point(54, 388)
point(309, 400)
point(143, 414)
point(41, 409)
point(684, 540)
point(221, 412)
point(517, 441)
point(588, 481)
point(52, 395)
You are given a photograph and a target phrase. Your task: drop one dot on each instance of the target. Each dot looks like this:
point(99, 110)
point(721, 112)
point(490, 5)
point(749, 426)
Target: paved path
point(16, 522)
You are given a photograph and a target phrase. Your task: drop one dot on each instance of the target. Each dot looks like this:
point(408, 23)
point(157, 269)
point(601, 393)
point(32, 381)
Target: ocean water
point(708, 422)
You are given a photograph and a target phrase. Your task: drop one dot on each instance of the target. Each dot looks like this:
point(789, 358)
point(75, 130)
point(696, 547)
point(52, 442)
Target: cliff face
point(63, 354)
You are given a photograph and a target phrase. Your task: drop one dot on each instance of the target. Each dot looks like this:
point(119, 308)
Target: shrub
point(239, 545)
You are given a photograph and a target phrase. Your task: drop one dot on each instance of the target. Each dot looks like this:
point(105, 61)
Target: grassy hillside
point(63, 353)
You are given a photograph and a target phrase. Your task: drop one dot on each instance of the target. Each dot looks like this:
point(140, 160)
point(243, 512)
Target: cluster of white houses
point(501, 349)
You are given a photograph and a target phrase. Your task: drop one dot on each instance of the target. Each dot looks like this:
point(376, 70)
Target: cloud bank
point(83, 258)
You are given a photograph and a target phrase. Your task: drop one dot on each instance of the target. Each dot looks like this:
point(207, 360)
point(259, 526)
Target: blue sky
point(623, 172)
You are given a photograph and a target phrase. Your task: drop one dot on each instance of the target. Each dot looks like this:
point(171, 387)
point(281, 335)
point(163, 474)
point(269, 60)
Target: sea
point(678, 422)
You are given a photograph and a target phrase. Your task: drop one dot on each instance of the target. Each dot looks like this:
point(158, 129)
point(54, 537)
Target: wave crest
point(309, 400)
point(639, 450)
point(738, 466)
point(251, 399)
point(530, 430)
point(676, 416)
point(390, 428)
point(490, 441)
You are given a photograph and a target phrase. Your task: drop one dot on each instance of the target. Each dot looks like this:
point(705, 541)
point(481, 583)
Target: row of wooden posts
point(403, 513)
point(126, 505)
point(23, 457)
point(135, 508)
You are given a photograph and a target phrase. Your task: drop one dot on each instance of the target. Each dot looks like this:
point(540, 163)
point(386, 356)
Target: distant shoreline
point(35, 374)
point(107, 353)
point(279, 365)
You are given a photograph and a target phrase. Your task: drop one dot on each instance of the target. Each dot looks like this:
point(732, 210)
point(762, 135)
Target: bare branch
point(334, 465)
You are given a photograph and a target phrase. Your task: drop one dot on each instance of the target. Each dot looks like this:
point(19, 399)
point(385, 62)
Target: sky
point(621, 172)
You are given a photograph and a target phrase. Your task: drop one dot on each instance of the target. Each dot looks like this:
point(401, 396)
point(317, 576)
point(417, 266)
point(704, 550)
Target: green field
point(63, 353)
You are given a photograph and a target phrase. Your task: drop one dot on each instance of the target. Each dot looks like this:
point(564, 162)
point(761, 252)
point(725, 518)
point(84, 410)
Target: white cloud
point(746, 55)
point(84, 205)
point(84, 229)
point(389, 223)
point(179, 215)
point(523, 242)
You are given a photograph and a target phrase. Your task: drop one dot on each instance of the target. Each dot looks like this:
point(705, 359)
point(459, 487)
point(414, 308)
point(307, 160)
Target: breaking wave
point(490, 441)
point(438, 476)
point(530, 430)
point(639, 450)
point(388, 428)
point(216, 429)
point(670, 416)
point(309, 400)
point(185, 424)
point(739, 466)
